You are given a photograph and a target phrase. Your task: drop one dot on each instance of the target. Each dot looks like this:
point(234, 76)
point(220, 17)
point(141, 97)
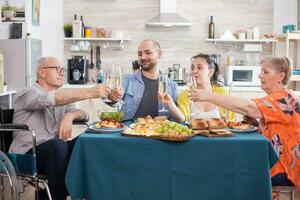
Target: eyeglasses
point(59, 69)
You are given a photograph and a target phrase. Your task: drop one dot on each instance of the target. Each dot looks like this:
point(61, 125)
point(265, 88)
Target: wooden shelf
point(295, 78)
point(288, 36)
point(97, 39)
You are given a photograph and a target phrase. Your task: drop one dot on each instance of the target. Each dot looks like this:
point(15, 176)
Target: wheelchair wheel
point(9, 187)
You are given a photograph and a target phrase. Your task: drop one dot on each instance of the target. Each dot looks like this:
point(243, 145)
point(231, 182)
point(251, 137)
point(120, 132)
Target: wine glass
point(118, 80)
point(191, 82)
point(162, 88)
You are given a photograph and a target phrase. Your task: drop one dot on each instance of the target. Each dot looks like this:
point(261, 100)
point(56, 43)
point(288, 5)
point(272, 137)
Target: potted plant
point(8, 11)
point(68, 30)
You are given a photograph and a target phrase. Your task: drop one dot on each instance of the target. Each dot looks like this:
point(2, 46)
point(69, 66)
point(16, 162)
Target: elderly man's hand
point(102, 90)
point(65, 127)
point(199, 94)
point(116, 94)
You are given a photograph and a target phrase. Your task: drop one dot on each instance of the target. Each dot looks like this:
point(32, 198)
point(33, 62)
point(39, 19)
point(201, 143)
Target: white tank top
point(197, 114)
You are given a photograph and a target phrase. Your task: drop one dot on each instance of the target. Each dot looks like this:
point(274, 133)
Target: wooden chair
point(285, 190)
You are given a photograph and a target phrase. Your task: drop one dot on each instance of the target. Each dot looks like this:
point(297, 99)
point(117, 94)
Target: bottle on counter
point(211, 28)
point(82, 27)
point(101, 76)
point(77, 27)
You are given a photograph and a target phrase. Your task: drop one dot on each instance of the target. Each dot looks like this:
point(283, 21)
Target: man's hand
point(65, 127)
point(115, 94)
point(102, 90)
point(165, 98)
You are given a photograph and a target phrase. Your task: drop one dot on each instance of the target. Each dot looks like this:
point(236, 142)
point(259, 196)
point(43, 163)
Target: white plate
point(251, 129)
point(105, 130)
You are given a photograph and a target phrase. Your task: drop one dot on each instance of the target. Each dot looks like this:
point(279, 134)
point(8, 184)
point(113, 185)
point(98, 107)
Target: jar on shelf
point(88, 32)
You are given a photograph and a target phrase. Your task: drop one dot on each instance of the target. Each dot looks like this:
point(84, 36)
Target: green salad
point(117, 116)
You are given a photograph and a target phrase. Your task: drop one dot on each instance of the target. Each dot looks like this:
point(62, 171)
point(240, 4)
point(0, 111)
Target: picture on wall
point(36, 12)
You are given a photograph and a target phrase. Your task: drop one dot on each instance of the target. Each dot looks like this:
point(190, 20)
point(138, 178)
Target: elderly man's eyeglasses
point(59, 69)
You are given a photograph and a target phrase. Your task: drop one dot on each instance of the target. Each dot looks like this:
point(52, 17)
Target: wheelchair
point(17, 171)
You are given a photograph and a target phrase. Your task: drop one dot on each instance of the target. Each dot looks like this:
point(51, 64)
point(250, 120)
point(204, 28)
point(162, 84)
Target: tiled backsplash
point(178, 43)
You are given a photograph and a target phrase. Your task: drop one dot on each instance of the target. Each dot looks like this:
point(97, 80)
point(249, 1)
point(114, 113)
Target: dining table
point(110, 166)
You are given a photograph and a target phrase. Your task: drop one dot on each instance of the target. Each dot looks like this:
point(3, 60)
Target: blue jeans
point(52, 160)
point(281, 180)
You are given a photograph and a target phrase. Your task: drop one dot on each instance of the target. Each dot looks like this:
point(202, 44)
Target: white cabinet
point(291, 38)
point(247, 93)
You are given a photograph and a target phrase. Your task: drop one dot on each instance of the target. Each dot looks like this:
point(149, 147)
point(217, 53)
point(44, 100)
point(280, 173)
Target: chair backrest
point(6, 137)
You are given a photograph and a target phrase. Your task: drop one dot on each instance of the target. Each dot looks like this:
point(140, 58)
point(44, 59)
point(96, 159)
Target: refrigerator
point(20, 58)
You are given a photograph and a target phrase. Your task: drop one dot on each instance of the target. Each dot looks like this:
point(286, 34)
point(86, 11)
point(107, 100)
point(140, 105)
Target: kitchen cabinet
point(246, 93)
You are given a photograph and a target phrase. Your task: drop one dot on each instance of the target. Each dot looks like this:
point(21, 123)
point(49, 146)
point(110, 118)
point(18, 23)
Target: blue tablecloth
point(113, 167)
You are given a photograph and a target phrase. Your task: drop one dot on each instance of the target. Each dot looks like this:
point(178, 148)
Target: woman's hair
point(280, 64)
point(215, 78)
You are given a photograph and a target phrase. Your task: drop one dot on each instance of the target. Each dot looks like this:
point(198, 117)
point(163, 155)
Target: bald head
point(155, 44)
point(46, 62)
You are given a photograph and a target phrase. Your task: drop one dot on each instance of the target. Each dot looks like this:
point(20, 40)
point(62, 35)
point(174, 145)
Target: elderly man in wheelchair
point(47, 110)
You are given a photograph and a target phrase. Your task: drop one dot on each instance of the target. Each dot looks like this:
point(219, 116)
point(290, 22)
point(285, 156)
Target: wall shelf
point(97, 39)
point(105, 41)
point(215, 41)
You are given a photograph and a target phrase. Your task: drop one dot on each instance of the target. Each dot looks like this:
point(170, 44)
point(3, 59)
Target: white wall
point(52, 28)
point(285, 12)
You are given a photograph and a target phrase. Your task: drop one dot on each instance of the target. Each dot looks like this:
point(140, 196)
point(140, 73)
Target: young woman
point(206, 74)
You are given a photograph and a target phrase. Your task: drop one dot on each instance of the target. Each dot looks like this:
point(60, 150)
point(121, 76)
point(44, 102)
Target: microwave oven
point(242, 75)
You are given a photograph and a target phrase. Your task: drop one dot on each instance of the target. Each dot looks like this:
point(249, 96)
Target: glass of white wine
point(118, 81)
point(162, 88)
point(191, 82)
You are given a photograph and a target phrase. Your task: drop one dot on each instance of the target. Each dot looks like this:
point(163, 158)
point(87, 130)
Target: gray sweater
point(35, 107)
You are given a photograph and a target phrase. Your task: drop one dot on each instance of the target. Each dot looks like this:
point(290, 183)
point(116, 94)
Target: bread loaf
point(201, 131)
point(216, 123)
point(199, 124)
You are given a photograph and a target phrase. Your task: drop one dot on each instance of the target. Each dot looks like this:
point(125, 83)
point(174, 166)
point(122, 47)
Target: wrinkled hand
point(165, 98)
point(102, 90)
point(65, 127)
point(198, 95)
point(116, 94)
point(250, 120)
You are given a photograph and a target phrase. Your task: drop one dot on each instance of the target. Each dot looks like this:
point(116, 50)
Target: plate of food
point(107, 126)
point(158, 128)
point(240, 127)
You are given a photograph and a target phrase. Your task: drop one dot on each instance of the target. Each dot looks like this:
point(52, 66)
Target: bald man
point(48, 110)
point(141, 88)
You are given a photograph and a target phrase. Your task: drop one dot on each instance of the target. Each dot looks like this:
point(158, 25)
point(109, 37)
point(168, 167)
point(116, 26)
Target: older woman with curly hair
point(278, 114)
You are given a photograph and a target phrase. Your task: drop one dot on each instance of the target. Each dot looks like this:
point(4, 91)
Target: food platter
point(105, 130)
point(240, 127)
point(93, 128)
point(167, 138)
point(158, 128)
point(250, 129)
